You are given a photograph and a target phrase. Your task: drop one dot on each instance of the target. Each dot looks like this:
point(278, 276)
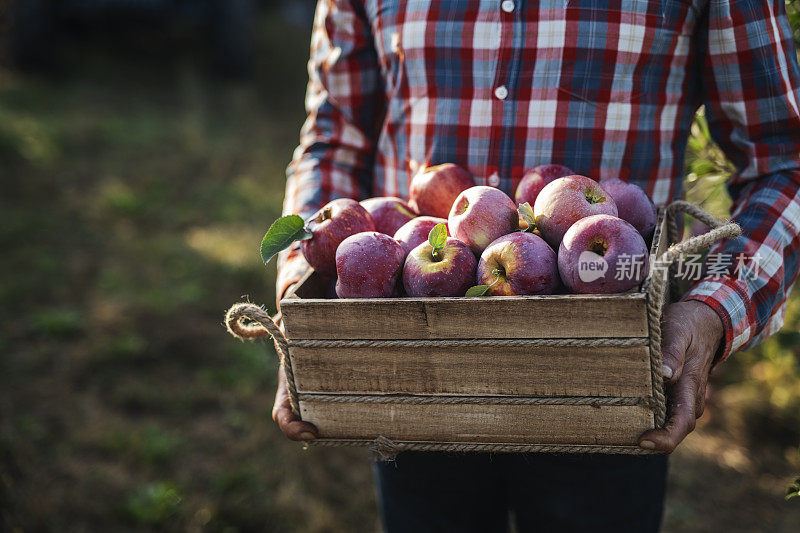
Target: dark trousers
point(437, 492)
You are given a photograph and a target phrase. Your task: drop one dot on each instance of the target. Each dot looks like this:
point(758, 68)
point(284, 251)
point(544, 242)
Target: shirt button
point(494, 180)
point(507, 6)
point(501, 92)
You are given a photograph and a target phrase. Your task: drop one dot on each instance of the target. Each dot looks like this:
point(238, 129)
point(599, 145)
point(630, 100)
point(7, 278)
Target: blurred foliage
point(762, 385)
point(153, 504)
point(134, 192)
point(793, 12)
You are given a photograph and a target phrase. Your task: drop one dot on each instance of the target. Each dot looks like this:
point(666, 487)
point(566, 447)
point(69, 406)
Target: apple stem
point(595, 198)
point(435, 252)
point(325, 214)
point(598, 247)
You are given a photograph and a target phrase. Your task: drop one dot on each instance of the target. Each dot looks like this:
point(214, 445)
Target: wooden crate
point(564, 373)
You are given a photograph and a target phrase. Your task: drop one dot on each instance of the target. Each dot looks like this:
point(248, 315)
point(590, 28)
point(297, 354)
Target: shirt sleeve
point(751, 79)
point(344, 106)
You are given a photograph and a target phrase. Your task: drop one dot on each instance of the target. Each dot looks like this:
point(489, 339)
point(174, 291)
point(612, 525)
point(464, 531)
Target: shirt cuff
point(731, 301)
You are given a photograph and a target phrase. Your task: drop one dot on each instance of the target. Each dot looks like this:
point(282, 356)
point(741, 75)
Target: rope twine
point(387, 449)
point(249, 321)
point(595, 342)
point(594, 401)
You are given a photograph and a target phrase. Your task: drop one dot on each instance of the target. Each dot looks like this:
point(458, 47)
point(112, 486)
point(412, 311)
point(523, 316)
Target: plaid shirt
point(608, 88)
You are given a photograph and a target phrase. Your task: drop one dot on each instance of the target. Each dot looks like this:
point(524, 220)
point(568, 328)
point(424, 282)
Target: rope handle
point(719, 230)
point(249, 321)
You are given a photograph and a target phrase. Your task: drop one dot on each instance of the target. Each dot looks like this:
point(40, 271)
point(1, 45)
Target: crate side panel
point(568, 316)
point(520, 371)
point(542, 424)
point(661, 245)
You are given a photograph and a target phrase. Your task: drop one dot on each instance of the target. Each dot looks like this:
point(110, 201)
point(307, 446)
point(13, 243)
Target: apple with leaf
point(320, 235)
point(416, 231)
point(520, 263)
point(442, 266)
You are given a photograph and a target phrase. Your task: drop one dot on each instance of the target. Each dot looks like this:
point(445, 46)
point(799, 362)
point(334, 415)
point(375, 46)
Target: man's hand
point(691, 333)
point(282, 413)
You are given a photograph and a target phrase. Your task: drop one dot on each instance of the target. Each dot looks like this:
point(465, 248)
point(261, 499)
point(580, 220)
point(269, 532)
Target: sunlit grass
point(232, 246)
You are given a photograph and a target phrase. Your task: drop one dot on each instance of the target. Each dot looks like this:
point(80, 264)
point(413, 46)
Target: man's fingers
point(694, 368)
point(682, 418)
point(293, 428)
point(700, 400)
point(287, 421)
point(674, 344)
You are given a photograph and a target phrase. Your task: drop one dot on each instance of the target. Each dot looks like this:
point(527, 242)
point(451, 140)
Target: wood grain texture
point(520, 371)
point(310, 285)
point(555, 316)
point(542, 424)
point(658, 246)
point(661, 235)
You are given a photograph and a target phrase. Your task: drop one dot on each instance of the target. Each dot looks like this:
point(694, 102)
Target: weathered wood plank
point(310, 285)
point(659, 246)
point(661, 235)
point(518, 371)
point(555, 316)
point(542, 424)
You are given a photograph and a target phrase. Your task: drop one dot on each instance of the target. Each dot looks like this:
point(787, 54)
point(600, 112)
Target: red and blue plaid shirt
point(608, 88)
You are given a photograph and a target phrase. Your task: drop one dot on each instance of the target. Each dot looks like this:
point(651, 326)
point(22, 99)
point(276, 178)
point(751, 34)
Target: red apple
point(450, 271)
point(480, 215)
point(330, 226)
point(534, 181)
point(415, 232)
point(602, 254)
point(519, 263)
point(633, 205)
point(388, 213)
point(566, 200)
point(434, 189)
point(368, 265)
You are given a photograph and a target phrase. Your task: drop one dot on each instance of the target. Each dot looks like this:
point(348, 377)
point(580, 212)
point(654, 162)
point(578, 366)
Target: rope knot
point(385, 448)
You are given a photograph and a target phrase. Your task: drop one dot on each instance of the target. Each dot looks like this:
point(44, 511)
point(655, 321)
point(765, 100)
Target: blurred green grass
point(134, 195)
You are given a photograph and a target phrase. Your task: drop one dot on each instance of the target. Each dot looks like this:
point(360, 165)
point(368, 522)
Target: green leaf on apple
point(477, 290)
point(526, 211)
point(281, 234)
point(481, 290)
point(438, 236)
